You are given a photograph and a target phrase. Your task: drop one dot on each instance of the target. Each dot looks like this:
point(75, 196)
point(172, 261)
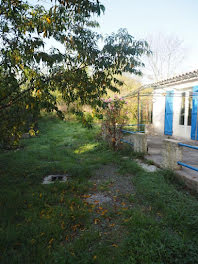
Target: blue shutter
point(168, 126)
point(194, 113)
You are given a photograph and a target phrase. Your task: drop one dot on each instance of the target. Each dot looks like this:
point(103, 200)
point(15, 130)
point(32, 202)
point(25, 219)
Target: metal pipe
point(125, 141)
point(187, 166)
point(132, 132)
point(187, 146)
point(135, 125)
point(138, 110)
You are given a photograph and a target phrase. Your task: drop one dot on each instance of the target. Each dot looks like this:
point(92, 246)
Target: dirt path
point(108, 200)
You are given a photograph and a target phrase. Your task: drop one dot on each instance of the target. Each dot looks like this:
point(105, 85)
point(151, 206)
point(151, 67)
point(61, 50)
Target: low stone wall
point(139, 141)
point(111, 136)
point(172, 153)
point(149, 129)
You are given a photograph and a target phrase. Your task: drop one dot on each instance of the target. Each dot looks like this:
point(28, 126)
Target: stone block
point(172, 153)
point(129, 138)
point(140, 142)
point(149, 129)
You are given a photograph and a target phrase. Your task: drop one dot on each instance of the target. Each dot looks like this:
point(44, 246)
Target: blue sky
point(144, 17)
point(148, 17)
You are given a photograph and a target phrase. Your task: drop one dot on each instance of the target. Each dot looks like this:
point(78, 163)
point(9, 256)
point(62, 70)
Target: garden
point(71, 191)
point(108, 211)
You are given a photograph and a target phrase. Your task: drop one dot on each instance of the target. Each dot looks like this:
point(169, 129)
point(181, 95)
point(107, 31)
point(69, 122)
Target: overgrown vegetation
point(157, 223)
point(114, 119)
point(81, 72)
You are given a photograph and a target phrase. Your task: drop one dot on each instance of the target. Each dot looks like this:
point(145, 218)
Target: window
point(182, 111)
point(189, 109)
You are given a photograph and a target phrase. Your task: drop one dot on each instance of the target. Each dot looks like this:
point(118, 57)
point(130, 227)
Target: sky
point(150, 17)
point(177, 18)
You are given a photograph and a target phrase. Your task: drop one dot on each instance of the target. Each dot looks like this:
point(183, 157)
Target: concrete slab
point(147, 167)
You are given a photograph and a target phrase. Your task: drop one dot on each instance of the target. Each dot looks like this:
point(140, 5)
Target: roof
point(189, 76)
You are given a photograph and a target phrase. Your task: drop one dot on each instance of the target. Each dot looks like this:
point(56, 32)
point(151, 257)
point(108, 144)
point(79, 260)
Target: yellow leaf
point(115, 245)
point(51, 241)
point(32, 132)
point(104, 212)
point(96, 221)
point(86, 196)
point(48, 20)
point(63, 225)
point(45, 34)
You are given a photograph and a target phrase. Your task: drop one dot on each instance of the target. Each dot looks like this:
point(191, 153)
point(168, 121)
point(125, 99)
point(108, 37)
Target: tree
point(166, 58)
point(83, 72)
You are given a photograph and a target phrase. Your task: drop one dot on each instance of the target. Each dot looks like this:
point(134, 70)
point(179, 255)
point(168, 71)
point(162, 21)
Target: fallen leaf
point(51, 241)
point(104, 212)
point(96, 221)
point(115, 245)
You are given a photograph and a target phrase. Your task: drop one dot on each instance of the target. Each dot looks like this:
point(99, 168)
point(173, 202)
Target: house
point(175, 106)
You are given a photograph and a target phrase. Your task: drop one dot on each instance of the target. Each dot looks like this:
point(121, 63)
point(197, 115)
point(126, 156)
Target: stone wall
point(172, 153)
point(139, 141)
point(149, 129)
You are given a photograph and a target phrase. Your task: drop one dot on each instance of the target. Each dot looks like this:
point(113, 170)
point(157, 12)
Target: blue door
point(168, 126)
point(194, 119)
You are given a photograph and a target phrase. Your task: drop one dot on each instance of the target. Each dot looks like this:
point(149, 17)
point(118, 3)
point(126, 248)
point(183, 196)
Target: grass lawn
point(148, 219)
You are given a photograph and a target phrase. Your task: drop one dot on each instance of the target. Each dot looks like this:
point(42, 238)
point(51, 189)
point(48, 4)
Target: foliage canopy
point(29, 73)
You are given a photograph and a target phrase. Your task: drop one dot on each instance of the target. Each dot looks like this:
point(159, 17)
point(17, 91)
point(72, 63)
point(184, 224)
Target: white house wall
point(159, 97)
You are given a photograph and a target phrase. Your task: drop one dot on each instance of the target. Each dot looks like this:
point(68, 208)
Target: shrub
point(114, 118)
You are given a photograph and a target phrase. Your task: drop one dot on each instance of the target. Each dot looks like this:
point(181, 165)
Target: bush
point(114, 118)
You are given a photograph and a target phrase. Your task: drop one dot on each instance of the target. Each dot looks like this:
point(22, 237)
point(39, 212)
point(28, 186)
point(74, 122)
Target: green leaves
point(81, 73)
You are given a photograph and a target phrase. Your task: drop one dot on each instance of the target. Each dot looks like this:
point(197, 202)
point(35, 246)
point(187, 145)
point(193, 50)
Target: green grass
point(52, 223)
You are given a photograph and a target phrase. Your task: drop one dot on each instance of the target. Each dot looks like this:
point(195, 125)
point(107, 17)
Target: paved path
point(190, 156)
